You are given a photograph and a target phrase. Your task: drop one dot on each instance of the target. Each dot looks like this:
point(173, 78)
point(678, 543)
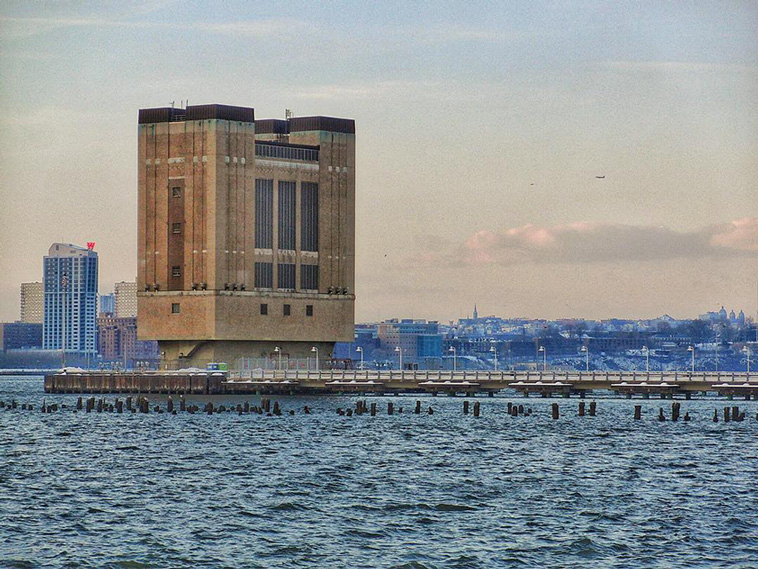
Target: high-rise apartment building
point(107, 304)
point(32, 303)
point(246, 233)
point(126, 299)
point(70, 306)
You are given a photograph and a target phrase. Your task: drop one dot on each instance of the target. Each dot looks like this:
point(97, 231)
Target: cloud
point(24, 27)
point(740, 235)
point(678, 67)
point(585, 242)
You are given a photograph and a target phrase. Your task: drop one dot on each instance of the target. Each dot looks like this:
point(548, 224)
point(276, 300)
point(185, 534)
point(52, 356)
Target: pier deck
point(445, 382)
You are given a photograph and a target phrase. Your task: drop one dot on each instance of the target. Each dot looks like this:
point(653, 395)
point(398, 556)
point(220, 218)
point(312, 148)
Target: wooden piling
point(555, 411)
point(581, 408)
point(637, 412)
point(418, 407)
point(170, 404)
point(431, 411)
point(726, 414)
point(477, 409)
point(661, 416)
point(715, 415)
point(390, 408)
point(465, 407)
point(593, 408)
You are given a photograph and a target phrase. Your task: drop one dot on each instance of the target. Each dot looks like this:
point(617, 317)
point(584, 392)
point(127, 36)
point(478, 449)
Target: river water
point(405, 491)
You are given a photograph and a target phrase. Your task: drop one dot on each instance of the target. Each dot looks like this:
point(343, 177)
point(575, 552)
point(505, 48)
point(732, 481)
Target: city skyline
point(577, 161)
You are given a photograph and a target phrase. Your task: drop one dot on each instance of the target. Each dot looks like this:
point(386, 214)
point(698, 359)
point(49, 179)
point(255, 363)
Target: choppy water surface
point(411, 491)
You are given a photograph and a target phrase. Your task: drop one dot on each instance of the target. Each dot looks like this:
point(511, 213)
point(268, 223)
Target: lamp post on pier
point(691, 349)
point(586, 351)
point(544, 357)
point(278, 350)
point(399, 350)
point(315, 349)
point(494, 351)
point(455, 364)
point(746, 351)
point(359, 349)
point(647, 358)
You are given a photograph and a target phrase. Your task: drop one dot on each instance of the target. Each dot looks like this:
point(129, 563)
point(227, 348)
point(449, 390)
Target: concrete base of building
point(178, 354)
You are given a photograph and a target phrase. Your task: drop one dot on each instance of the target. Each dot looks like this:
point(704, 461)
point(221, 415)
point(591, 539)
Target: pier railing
point(506, 376)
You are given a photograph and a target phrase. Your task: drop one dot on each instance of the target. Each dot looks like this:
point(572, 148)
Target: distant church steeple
point(476, 314)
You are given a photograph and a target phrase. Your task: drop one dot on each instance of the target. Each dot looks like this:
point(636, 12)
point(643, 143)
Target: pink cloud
point(741, 235)
point(585, 242)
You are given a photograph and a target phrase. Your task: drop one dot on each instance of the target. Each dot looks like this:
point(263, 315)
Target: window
point(175, 308)
point(309, 216)
point(176, 192)
point(309, 277)
point(264, 309)
point(176, 271)
point(264, 214)
point(176, 228)
point(264, 275)
point(286, 309)
point(309, 310)
point(286, 276)
point(287, 215)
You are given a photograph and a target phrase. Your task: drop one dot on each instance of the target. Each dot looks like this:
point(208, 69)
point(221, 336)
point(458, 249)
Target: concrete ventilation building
point(246, 233)
point(70, 305)
point(32, 303)
point(125, 294)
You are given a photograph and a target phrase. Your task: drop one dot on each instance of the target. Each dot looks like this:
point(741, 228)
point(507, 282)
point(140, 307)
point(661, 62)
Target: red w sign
point(90, 245)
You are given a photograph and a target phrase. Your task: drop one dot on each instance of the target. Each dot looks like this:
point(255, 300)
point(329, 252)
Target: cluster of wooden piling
point(676, 412)
point(141, 404)
point(731, 414)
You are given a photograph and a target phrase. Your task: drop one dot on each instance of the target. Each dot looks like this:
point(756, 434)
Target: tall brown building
point(246, 233)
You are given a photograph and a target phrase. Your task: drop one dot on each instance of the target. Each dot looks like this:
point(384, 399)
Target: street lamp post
point(647, 358)
point(494, 351)
point(278, 350)
point(315, 349)
point(585, 350)
point(455, 363)
point(544, 357)
point(399, 350)
point(746, 351)
point(691, 349)
point(718, 341)
point(360, 351)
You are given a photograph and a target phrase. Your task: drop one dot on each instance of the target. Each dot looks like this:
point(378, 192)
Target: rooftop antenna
point(288, 114)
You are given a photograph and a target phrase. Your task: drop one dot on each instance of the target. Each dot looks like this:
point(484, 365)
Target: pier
point(566, 383)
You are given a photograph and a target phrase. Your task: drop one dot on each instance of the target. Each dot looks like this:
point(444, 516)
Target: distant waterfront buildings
point(70, 299)
point(20, 336)
point(32, 303)
point(125, 294)
point(107, 304)
point(117, 341)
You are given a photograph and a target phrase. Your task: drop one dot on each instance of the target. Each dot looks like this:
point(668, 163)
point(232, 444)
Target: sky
point(481, 130)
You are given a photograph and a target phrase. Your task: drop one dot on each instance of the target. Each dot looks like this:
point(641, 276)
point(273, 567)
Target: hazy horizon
point(542, 160)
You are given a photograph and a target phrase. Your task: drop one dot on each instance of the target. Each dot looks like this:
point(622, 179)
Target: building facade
point(70, 304)
point(246, 233)
point(117, 342)
point(32, 303)
point(125, 294)
point(107, 304)
point(20, 336)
